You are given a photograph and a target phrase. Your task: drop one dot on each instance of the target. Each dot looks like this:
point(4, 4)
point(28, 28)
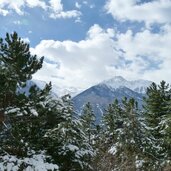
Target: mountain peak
point(139, 86)
point(118, 78)
point(115, 82)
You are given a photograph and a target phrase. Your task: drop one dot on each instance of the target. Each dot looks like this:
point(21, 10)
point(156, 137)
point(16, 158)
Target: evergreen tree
point(17, 66)
point(17, 59)
point(167, 132)
point(88, 122)
point(123, 128)
point(112, 119)
point(157, 114)
point(156, 103)
point(24, 118)
point(89, 127)
point(67, 143)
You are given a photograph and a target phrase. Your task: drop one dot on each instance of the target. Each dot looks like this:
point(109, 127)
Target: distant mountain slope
point(99, 95)
point(56, 90)
point(106, 92)
point(138, 86)
point(39, 84)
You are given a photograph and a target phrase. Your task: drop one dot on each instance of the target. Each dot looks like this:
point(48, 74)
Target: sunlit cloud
point(106, 53)
point(54, 8)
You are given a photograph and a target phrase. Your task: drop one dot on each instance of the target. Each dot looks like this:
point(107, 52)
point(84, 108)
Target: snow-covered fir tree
point(88, 122)
point(67, 142)
point(127, 141)
point(157, 116)
point(19, 113)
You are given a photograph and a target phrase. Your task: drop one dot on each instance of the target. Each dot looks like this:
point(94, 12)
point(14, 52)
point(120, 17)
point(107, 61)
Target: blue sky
point(36, 23)
point(87, 41)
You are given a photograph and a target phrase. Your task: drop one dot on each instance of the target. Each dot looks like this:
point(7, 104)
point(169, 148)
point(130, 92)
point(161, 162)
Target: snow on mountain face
point(100, 96)
point(40, 84)
point(61, 91)
point(138, 86)
point(56, 90)
point(114, 83)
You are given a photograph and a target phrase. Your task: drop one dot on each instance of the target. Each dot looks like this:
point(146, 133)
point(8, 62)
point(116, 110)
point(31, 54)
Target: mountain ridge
point(139, 85)
point(104, 93)
point(100, 95)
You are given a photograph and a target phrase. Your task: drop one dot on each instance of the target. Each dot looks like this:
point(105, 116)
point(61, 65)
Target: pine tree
point(157, 112)
point(17, 59)
point(67, 143)
point(89, 128)
point(17, 66)
point(107, 136)
point(24, 118)
point(156, 103)
point(88, 122)
point(167, 133)
point(112, 119)
point(124, 128)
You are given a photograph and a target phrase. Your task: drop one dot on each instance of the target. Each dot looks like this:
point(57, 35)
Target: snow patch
point(113, 150)
point(138, 86)
point(36, 162)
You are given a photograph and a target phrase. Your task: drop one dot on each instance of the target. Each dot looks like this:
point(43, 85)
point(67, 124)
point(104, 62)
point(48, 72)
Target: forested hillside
point(38, 132)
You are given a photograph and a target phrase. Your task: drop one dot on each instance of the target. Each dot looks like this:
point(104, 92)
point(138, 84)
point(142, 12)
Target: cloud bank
point(54, 8)
point(105, 53)
point(158, 11)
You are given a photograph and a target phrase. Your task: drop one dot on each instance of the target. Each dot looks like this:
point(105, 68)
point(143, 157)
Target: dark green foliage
point(16, 67)
point(88, 122)
point(157, 113)
point(156, 102)
point(126, 145)
point(67, 143)
point(16, 57)
point(113, 119)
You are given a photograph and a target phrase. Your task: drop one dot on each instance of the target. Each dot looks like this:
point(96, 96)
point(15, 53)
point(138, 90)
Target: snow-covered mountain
point(57, 91)
point(38, 83)
point(138, 86)
point(104, 93)
point(99, 95)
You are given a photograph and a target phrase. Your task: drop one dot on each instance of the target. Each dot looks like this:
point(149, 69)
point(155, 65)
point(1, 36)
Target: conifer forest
point(39, 132)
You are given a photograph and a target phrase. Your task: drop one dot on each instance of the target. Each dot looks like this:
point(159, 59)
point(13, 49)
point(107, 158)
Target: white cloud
point(54, 8)
point(147, 44)
point(78, 20)
point(77, 5)
point(36, 3)
point(81, 63)
point(104, 54)
point(18, 5)
point(148, 52)
point(152, 48)
point(158, 11)
point(65, 14)
point(26, 40)
point(56, 5)
point(3, 12)
point(58, 12)
point(15, 5)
